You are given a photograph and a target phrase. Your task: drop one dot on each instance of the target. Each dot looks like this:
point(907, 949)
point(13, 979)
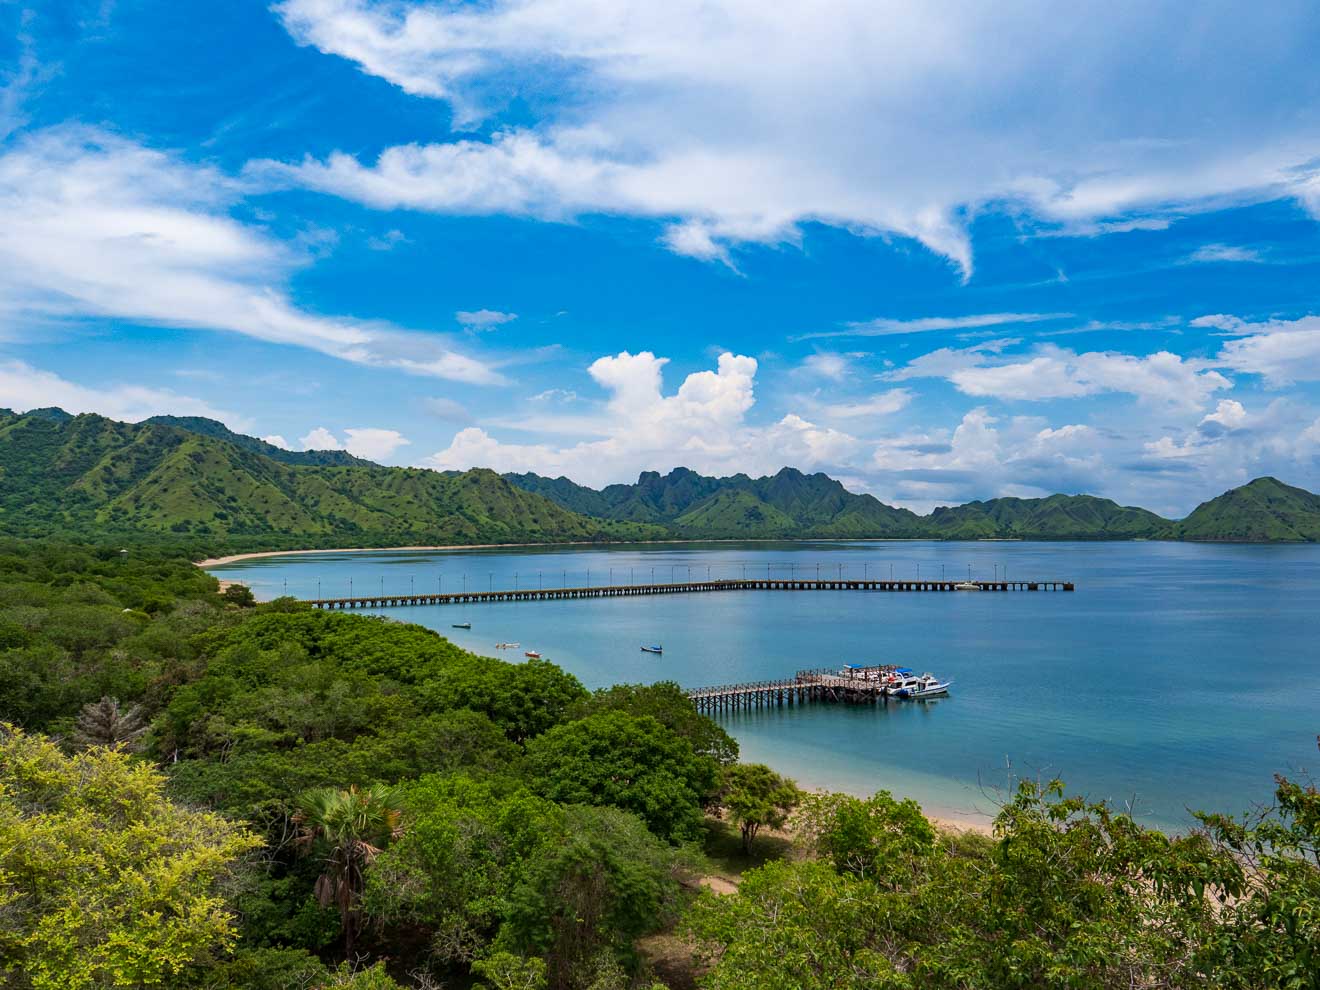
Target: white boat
point(926, 686)
point(966, 586)
point(899, 683)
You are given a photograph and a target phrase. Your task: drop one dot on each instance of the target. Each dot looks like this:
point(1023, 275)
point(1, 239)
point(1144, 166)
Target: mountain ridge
point(193, 480)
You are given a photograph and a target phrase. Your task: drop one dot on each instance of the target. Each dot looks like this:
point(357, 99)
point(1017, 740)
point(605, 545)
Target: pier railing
point(851, 685)
point(682, 587)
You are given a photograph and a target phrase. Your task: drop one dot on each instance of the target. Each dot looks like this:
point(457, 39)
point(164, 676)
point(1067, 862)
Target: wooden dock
point(854, 686)
point(680, 587)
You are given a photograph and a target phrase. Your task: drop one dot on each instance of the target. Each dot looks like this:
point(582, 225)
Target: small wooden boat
point(532, 654)
point(657, 648)
point(462, 625)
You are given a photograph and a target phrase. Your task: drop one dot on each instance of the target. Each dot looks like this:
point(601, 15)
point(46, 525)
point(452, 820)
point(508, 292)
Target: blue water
point(1176, 677)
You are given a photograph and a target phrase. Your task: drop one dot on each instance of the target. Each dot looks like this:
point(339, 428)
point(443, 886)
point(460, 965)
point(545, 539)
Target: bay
point(1176, 677)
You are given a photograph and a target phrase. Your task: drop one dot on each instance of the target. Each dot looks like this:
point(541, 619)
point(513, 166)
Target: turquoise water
point(1176, 677)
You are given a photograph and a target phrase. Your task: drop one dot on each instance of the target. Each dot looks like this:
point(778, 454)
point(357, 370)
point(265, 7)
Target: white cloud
point(1050, 372)
point(23, 387)
point(1281, 351)
point(884, 327)
point(373, 444)
point(370, 442)
point(320, 439)
point(484, 319)
point(735, 122)
point(95, 225)
point(1223, 252)
point(1229, 415)
point(703, 425)
point(835, 367)
point(882, 404)
point(275, 440)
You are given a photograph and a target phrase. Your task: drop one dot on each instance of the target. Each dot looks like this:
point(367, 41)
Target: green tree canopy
point(754, 797)
point(633, 763)
point(103, 881)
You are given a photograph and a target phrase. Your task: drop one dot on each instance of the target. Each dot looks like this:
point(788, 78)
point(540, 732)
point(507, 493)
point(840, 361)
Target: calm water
point(1176, 677)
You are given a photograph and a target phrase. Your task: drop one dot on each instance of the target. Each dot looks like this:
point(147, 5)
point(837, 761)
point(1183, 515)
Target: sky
point(939, 251)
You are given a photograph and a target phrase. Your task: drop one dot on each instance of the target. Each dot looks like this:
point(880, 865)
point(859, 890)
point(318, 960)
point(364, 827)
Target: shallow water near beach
point(1176, 677)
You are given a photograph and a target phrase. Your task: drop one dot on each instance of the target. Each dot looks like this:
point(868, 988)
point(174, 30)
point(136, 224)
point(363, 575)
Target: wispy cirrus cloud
point(735, 123)
point(99, 226)
point(1212, 253)
point(888, 327)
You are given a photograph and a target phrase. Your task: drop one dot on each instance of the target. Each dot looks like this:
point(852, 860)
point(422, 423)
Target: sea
point(1177, 676)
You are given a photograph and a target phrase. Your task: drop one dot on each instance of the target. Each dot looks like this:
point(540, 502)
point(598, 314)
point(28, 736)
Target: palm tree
point(351, 826)
point(104, 723)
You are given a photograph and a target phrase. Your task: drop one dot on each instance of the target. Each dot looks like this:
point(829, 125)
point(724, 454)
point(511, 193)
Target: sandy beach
point(236, 557)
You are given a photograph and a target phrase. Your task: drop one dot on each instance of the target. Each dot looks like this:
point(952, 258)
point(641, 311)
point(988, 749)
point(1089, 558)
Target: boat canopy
point(903, 670)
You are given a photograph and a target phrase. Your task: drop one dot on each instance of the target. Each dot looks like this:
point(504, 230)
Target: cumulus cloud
point(275, 440)
point(1281, 351)
point(1051, 372)
point(320, 439)
point(96, 225)
point(735, 122)
point(23, 387)
point(703, 425)
point(373, 444)
point(369, 442)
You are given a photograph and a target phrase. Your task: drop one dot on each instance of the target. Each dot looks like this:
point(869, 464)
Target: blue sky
point(938, 251)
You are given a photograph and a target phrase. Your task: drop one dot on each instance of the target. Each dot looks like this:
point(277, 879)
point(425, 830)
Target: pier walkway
point(854, 685)
point(680, 587)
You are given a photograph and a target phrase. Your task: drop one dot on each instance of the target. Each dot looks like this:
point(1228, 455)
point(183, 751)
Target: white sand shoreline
point(234, 558)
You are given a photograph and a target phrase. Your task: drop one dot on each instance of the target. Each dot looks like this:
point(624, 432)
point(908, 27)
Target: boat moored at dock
point(925, 686)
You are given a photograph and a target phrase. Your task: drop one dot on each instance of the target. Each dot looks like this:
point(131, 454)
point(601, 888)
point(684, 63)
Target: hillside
point(90, 476)
point(192, 481)
point(213, 428)
point(1058, 517)
point(1264, 510)
point(787, 504)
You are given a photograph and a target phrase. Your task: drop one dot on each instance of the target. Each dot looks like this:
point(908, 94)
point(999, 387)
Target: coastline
point(234, 558)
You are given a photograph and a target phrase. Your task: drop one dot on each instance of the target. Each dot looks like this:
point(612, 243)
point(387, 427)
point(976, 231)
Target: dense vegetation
point(164, 483)
point(793, 505)
point(188, 482)
point(196, 794)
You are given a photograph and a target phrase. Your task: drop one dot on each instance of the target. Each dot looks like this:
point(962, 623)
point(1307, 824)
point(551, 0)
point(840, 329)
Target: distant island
point(191, 481)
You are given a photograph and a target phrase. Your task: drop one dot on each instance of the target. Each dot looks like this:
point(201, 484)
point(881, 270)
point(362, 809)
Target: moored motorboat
point(966, 586)
point(532, 654)
point(926, 686)
point(657, 648)
point(461, 625)
point(899, 681)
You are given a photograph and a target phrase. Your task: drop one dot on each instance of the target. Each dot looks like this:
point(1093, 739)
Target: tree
point(103, 723)
point(756, 796)
point(600, 883)
point(240, 595)
point(351, 826)
point(631, 763)
point(878, 838)
point(665, 702)
point(103, 881)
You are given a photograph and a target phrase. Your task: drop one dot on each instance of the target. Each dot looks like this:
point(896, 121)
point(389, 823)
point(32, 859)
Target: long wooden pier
point(680, 587)
point(853, 685)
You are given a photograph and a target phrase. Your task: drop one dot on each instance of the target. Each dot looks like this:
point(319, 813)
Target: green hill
point(1264, 510)
point(212, 428)
point(787, 504)
point(192, 481)
point(88, 476)
point(1058, 517)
